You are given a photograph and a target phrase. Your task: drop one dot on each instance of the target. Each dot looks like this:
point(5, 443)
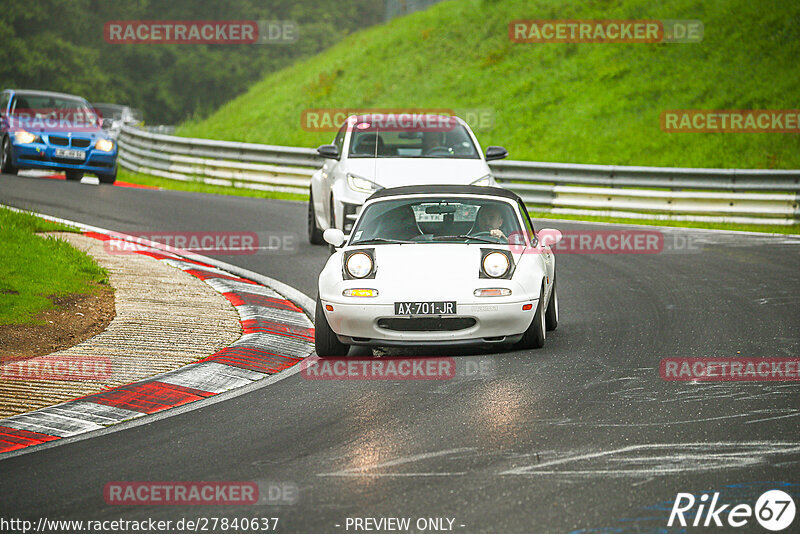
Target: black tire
point(326, 343)
point(331, 248)
point(314, 233)
point(534, 336)
point(108, 178)
point(6, 167)
point(74, 176)
point(551, 313)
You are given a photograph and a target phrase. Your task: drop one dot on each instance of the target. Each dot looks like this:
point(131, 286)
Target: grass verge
point(34, 268)
point(763, 228)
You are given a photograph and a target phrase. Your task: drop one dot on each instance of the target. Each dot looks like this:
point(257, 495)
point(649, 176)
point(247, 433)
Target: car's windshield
point(438, 220)
point(450, 140)
point(34, 106)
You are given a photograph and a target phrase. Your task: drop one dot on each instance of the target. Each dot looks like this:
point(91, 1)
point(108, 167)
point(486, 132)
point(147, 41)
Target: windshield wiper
point(382, 240)
point(464, 236)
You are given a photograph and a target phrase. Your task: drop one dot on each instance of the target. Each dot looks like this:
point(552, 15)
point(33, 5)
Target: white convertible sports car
point(438, 265)
point(374, 151)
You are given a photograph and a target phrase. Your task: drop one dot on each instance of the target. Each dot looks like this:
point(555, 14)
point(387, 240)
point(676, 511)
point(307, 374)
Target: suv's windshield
point(438, 220)
point(370, 141)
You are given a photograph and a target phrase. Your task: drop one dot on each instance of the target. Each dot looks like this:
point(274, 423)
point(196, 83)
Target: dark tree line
point(58, 45)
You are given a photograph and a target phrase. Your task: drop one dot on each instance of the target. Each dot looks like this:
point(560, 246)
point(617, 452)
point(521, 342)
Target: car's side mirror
point(495, 152)
point(328, 151)
point(549, 236)
point(333, 236)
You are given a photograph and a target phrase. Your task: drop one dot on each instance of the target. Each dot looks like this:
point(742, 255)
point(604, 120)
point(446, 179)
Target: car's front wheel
point(5, 158)
point(533, 338)
point(74, 176)
point(326, 343)
point(314, 233)
point(108, 178)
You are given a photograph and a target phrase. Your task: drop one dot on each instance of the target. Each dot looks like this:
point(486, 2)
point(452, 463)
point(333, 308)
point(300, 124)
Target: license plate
point(428, 307)
point(70, 154)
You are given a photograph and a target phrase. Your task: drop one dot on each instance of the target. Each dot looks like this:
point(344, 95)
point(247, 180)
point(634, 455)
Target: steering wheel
point(489, 235)
point(442, 151)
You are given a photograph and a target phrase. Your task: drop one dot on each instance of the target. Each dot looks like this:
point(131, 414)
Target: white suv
point(372, 152)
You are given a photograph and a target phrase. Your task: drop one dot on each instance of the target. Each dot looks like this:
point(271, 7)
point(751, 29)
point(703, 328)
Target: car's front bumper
point(359, 323)
point(42, 156)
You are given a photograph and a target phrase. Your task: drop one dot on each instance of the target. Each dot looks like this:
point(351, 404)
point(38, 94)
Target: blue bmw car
point(57, 131)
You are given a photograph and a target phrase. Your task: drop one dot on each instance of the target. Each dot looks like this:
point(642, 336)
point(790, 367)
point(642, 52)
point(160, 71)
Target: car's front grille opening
point(426, 324)
point(80, 143)
point(60, 141)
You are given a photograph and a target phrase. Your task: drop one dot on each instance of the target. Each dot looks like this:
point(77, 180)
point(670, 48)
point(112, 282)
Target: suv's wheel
point(325, 341)
point(314, 233)
point(551, 314)
point(5, 158)
point(74, 176)
point(533, 338)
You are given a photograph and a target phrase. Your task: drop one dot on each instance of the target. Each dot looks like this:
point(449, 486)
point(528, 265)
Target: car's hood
point(393, 172)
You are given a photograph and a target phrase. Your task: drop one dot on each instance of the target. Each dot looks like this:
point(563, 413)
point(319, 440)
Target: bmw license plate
point(70, 154)
point(428, 307)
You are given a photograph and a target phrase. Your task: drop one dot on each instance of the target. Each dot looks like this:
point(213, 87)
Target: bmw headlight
point(104, 145)
point(359, 265)
point(24, 137)
point(496, 264)
point(486, 180)
point(363, 185)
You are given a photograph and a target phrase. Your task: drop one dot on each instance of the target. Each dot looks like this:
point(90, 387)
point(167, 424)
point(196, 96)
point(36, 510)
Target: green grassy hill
point(579, 103)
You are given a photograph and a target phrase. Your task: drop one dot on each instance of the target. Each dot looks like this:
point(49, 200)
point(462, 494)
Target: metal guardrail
point(709, 195)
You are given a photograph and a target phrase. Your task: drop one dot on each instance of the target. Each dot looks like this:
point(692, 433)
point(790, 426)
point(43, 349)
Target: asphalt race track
point(583, 435)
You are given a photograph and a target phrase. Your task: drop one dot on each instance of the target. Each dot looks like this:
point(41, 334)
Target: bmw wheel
point(5, 158)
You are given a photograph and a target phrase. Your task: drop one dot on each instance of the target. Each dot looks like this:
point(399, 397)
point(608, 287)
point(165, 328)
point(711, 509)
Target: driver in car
point(489, 220)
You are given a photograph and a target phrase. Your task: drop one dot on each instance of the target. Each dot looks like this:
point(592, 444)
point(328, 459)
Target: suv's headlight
point(363, 185)
point(104, 145)
point(25, 137)
point(486, 180)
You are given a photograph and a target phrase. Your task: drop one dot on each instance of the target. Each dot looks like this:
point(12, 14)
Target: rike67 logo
point(774, 510)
